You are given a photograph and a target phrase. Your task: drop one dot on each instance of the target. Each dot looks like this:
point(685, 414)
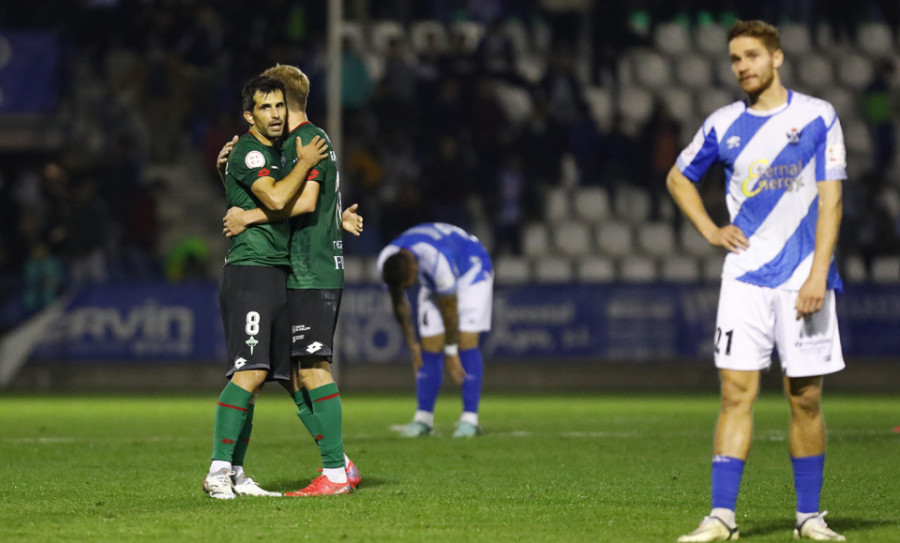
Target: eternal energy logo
point(779, 177)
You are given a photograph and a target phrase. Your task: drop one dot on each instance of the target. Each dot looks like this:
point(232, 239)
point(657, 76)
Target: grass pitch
point(548, 468)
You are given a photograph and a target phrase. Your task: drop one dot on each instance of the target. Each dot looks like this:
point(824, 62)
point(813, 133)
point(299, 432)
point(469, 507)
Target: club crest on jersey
point(793, 136)
point(733, 142)
point(255, 159)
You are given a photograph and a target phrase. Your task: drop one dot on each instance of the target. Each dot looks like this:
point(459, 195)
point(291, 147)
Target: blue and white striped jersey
point(773, 160)
point(448, 256)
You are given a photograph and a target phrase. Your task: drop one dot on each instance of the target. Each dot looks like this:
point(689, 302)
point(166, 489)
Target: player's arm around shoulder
point(811, 296)
point(689, 201)
point(279, 194)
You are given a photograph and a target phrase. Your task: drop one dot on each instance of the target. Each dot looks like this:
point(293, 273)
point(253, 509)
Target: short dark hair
point(760, 30)
point(396, 269)
point(260, 83)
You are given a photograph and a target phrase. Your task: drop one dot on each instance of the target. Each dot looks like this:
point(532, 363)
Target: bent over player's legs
point(475, 305)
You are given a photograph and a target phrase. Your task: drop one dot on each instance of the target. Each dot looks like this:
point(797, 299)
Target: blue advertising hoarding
point(29, 72)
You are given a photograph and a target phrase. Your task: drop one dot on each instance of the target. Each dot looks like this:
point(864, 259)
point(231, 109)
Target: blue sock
point(808, 474)
point(471, 388)
point(726, 481)
point(429, 379)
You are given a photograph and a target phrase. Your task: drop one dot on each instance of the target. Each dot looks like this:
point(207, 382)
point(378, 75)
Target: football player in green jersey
point(314, 286)
point(253, 293)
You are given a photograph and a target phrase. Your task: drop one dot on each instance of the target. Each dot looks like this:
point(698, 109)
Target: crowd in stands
point(429, 131)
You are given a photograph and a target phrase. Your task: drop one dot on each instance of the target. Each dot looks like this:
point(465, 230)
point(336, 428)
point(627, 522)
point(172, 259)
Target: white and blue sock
point(808, 474)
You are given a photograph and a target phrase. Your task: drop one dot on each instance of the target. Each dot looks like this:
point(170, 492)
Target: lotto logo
point(314, 347)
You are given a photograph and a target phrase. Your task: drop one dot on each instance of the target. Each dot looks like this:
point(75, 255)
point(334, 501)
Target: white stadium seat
point(572, 238)
point(471, 31)
point(795, 39)
point(637, 269)
point(711, 99)
point(518, 35)
point(595, 269)
point(886, 269)
point(651, 70)
point(512, 270)
point(592, 204)
point(854, 270)
point(553, 270)
point(656, 238)
point(842, 100)
point(535, 239)
point(615, 238)
point(356, 269)
point(635, 104)
point(672, 39)
point(875, 39)
point(711, 40)
point(693, 243)
point(354, 34)
point(856, 135)
point(557, 206)
point(600, 102)
point(693, 71)
point(419, 32)
point(680, 269)
point(515, 101)
point(814, 72)
point(854, 71)
point(680, 102)
point(383, 32)
point(632, 204)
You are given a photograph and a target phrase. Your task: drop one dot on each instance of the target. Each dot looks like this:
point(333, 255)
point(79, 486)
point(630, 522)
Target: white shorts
point(752, 321)
point(474, 303)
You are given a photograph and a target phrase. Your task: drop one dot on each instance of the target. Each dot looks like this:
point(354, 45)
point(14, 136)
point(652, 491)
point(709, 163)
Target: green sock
point(304, 411)
point(328, 413)
point(231, 412)
point(240, 448)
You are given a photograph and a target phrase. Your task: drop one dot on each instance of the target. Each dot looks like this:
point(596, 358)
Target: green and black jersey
point(261, 244)
point(317, 253)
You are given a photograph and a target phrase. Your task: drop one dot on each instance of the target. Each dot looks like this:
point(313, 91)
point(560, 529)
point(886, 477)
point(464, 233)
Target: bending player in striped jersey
point(783, 154)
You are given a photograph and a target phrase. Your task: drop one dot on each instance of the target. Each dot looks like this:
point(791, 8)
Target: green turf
point(548, 468)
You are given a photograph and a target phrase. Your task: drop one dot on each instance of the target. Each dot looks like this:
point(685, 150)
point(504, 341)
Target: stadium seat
point(651, 70)
point(842, 100)
point(383, 32)
point(557, 206)
point(711, 40)
point(875, 39)
point(680, 269)
point(471, 31)
point(672, 39)
point(512, 270)
point(637, 269)
point(711, 99)
point(814, 72)
point(856, 136)
point(535, 239)
point(553, 269)
point(592, 204)
point(595, 269)
point(517, 32)
point(693, 72)
point(531, 67)
point(635, 104)
point(515, 101)
point(854, 270)
point(353, 32)
point(795, 39)
point(572, 238)
point(680, 102)
point(632, 204)
point(656, 238)
point(600, 102)
point(711, 267)
point(723, 74)
point(541, 38)
point(854, 71)
point(615, 238)
point(693, 243)
point(886, 269)
point(356, 269)
point(419, 31)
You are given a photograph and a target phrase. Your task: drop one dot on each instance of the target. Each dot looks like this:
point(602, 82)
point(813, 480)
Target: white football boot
point(219, 485)
point(711, 529)
point(815, 528)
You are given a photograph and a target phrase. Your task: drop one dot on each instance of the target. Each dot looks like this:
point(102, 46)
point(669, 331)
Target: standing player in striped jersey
point(252, 293)
point(315, 286)
point(456, 280)
point(783, 154)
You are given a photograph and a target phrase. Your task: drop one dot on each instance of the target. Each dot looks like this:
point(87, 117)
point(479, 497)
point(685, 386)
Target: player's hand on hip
point(233, 223)
point(811, 297)
point(416, 351)
point(313, 152)
point(730, 237)
point(454, 366)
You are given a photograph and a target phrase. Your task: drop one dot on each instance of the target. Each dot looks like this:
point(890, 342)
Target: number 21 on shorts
point(729, 334)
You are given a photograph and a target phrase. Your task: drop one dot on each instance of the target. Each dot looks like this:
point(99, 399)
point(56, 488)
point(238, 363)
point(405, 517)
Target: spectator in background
point(495, 55)
point(446, 179)
point(508, 202)
point(44, 278)
point(879, 114)
point(84, 234)
point(357, 87)
point(659, 141)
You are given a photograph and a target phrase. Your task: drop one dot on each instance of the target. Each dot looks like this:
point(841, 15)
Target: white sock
point(219, 465)
point(238, 472)
point(469, 418)
point(425, 418)
point(727, 515)
point(335, 475)
point(346, 461)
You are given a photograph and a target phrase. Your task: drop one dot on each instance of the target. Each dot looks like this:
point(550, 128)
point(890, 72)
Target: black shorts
point(314, 314)
point(255, 315)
